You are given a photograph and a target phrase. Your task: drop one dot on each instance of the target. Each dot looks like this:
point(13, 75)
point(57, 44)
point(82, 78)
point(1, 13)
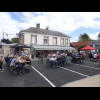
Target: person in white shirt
point(95, 55)
point(52, 61)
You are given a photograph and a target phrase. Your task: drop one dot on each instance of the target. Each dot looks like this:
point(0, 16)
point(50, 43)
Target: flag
point(19, 34)
point(7, 34)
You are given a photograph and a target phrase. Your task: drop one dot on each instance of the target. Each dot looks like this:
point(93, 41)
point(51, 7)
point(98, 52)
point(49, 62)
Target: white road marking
point(75, 72)
point(91, 62)
point(44, 77)
point(88, 66)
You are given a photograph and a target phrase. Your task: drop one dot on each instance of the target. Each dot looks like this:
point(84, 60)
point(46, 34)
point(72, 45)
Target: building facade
point(77, 44)
point(44, 38)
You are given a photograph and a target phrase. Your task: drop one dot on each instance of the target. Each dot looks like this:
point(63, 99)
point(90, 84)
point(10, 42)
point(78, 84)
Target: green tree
point(84, 37)
point(81, 46)
point(6, 41)
point(15, 40)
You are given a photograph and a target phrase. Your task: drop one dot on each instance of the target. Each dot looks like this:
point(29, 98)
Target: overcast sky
point(70, 23)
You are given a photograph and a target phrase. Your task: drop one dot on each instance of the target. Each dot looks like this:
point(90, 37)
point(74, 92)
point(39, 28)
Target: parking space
point(62, 75)
point(43, 76)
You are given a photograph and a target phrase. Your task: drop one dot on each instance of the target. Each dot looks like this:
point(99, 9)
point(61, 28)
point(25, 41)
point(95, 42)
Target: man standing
point(1, 63)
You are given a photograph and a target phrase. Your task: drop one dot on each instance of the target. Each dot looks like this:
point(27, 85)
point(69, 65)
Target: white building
point(44, 39)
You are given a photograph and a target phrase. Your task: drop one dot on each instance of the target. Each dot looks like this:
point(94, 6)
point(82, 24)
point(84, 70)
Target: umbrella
point(19, 45)
point(88, 48)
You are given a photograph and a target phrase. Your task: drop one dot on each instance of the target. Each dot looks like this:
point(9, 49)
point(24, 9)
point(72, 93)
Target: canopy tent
point(88, 48)
point(19, 45)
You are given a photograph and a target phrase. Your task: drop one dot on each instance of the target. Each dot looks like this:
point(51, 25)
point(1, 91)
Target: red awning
point(88, 48)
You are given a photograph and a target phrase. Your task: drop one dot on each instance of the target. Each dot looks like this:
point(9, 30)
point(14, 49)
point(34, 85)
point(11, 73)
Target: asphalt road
point(43, 76)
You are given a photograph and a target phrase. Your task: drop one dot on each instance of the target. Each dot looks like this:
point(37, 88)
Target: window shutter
point(36, 38)
point(56, 40)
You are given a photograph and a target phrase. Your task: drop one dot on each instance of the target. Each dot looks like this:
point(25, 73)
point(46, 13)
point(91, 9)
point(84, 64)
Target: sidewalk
point(93, 81)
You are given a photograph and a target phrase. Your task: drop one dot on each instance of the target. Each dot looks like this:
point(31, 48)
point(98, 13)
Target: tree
point(15, 40)
point(6, 41)
point(81, 46)
point(84, 37)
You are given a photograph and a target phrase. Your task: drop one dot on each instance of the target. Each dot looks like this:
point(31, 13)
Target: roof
point(43, 31)
point(96, 42)
point(79, 43)
point(19, 45)
point(99, 35)
point(51, 47)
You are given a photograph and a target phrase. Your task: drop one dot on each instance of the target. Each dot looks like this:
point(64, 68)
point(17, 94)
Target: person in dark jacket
point(1, 63)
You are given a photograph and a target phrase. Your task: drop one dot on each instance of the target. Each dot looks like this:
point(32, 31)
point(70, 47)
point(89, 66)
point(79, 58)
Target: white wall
point(27, 38)
point(40, 37)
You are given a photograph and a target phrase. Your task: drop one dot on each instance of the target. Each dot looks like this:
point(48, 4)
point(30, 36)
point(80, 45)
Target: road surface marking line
point(88, 66)
point(74, 71)
point(44, 77)
point(91, 62)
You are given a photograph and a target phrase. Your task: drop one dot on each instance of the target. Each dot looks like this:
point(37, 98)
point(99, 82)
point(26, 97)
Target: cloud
point(65, 22)
point(7, 24)
point(94, 36)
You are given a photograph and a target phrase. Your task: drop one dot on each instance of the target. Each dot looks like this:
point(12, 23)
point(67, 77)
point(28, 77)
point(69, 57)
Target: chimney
point(47, 28)
point(38, 25)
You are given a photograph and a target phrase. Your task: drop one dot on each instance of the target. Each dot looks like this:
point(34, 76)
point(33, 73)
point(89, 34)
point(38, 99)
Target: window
point(33, 38)
point(46, 40)
point(62, 41)
point(66, 42)
point(54, 40)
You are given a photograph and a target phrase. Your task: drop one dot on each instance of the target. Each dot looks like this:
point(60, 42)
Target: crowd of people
point(94, 56)
point(64, 58)
point(23, 63)
point(17, 62)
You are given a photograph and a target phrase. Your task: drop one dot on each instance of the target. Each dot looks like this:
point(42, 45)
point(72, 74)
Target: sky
point(69, 23)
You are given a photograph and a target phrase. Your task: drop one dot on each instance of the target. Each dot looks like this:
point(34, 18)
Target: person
point(47, 60)
point(28, 61)
point(52, 61)
point(41, 58)
point(27, 65)
point(95, 56)
point(7, 58)
point(58, 60)
point(99, 58)
point(1, 63)
point(13, 62)
point(74, 58)
point(22, 53)
point(90, 56)
point(81, 58)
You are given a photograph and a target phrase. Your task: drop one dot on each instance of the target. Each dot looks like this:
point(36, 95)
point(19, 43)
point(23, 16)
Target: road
point(43, 76)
